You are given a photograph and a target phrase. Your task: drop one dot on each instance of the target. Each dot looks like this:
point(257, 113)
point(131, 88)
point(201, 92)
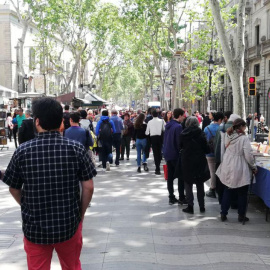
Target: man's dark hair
point(228, 114)
point(105, 113)
point(154, 113)
point(177, 112)
point(20, 109)
point(218, 115)
point(49, 112)
point(75, 116)
point(83, 114)
point(149, 110)
point(66, 107)
point(207, 113)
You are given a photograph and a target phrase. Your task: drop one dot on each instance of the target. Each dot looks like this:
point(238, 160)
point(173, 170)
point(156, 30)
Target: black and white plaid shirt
point(48, 169)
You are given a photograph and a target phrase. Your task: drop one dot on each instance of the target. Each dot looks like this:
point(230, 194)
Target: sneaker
point(211, 193)
point(116, 165)
point(127, 158)
point(184, 201)
point(173, 201)
point(189, 210)
point(202, 209)
point(223, 217)
point(157, 172)
point(139, 170)
point(145, 167)
point(108, 168)
point(121, 158)
point(242, 218)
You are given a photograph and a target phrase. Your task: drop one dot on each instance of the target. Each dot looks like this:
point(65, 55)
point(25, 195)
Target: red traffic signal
point(252, 86)
point(252, 79)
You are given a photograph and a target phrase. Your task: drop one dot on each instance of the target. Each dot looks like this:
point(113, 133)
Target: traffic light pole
point(252, 121)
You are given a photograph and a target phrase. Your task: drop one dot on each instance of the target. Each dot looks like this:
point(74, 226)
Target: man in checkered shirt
point(44, 176)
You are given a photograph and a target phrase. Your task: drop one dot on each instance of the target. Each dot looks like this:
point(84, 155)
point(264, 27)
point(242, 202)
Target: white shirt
point(155, 127)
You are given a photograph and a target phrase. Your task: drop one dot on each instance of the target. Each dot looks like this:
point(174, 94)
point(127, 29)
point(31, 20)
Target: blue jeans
point(255, 131)
point(141, 145)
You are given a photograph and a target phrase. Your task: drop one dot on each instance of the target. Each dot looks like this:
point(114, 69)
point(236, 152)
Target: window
point(257, 35)
point(257, 70)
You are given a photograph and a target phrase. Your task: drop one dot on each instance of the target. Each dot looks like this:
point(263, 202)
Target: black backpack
point(66, 117)
point(105, 131)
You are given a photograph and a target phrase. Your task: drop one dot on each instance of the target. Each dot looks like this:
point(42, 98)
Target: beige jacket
point(238, 161)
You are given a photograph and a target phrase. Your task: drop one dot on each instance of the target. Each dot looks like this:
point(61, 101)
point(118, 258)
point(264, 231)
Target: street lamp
point(210, 71)
point(25, 80)
point(170, 85)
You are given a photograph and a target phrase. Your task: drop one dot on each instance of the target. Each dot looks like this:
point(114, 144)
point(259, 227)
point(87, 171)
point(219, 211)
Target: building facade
point(257, 62)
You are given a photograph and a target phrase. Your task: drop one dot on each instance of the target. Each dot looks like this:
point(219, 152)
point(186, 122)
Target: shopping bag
point(165, 169)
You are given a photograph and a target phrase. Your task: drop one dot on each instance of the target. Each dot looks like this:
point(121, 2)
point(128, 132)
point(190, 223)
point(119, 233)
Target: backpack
point(222, 145)
point(105, 131)
point(211, 142)
point(66, 120)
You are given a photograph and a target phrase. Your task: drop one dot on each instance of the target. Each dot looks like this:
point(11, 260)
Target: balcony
point(266, 47)
point(254, 52)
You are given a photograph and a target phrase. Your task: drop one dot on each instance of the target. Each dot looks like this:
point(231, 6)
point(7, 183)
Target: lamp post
point(25, 81)
point(210, 72)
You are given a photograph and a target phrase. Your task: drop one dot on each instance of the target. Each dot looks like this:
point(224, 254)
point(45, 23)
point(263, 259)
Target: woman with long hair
point(141, 141)
point(168, 116)
point(236, 169)
point(194, 165)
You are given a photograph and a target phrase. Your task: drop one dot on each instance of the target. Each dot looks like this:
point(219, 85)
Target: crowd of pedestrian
point(51, 173)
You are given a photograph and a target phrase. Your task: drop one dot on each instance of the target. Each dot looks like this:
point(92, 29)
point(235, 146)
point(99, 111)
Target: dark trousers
point(9, 133)
point(171, 165)
point(106, 149)
point(15, 131)
point(117, 145)
point(190, 196)
point(125, 144)
point(156, 142)
point(242, 194)
point(220, 190)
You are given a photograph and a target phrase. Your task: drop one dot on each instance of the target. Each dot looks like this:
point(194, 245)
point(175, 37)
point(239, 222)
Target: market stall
point(262, 186)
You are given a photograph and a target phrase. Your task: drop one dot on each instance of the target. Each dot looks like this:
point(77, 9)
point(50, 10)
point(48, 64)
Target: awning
point(66, 99)
point(8, 93)
point(30, 95)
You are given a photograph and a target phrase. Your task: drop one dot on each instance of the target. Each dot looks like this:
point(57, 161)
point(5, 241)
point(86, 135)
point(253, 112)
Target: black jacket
point(26, 131)
point(193, 161)
point(206, 122)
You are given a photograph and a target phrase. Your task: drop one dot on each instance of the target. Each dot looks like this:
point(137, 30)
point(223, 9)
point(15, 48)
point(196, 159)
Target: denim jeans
point(141, 145)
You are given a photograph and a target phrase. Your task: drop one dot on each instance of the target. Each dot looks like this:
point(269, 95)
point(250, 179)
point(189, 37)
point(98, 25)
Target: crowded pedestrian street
point(130, 225)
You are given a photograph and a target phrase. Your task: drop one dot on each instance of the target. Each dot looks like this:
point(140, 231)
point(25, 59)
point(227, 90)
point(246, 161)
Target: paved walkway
point(131, 226)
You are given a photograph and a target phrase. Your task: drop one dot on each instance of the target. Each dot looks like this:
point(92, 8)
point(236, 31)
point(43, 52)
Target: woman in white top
point(236, 169)
point(9, 125)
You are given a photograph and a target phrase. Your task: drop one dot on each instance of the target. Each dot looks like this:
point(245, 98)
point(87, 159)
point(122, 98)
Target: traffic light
point(252, 86)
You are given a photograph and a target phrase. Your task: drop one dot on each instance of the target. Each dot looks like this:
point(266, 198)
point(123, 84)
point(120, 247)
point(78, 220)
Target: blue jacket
point(213, 128)
point(102, 118)
point(173, 129)
point(118, 123)
point(79, 134)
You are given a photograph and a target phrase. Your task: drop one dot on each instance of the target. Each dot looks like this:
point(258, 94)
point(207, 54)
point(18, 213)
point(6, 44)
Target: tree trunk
point(235, 66)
